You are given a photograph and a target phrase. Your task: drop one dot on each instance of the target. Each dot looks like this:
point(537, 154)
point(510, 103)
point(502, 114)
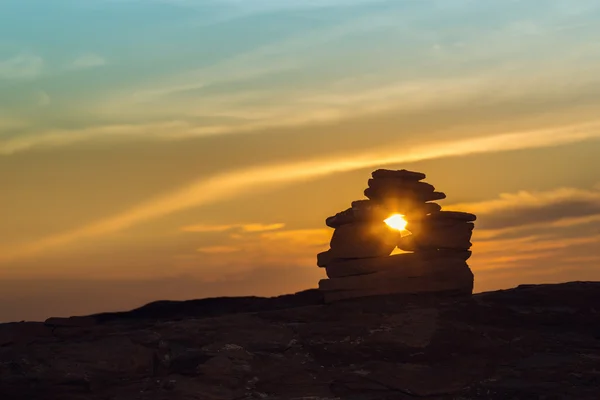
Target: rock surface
point(399, 213)
point(400, 174)
point(412, 186)
point(381, 194)
point(456, 236)
point(406, 207)
point(363, 240)
point(532, 342)
point(442, 276)
point(404, 264)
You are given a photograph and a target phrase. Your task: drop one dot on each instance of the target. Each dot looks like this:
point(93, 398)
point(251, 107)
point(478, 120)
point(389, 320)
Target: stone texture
point(363, 240)
point(398, 174)
point(374, 213)
point(426, 225)
point(532, 342)
point(81, 322)
point(341, 218)
point(359, 264)
point(370, 211)
point(458, 286)
point(381, 194)
point(324, 258)
point(408, 263)
point(23, 333)
point(425, 237)
point(453, 215)
point(406, 207)
point(413, 276)
point(401, 184)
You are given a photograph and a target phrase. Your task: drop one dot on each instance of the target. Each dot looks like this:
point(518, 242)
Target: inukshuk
point(399, 212)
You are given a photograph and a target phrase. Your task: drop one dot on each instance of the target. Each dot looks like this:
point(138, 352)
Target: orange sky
point(170, 167)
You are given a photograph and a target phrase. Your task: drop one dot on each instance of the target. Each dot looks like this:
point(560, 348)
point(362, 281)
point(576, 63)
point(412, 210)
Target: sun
point(396, 222)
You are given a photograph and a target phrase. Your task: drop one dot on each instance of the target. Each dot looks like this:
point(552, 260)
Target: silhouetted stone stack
point(436, 243)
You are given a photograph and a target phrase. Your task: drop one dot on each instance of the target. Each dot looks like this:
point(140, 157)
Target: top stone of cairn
point(398, 174)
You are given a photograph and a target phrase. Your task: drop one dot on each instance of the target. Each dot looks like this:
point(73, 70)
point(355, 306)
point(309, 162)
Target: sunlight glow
point(397, 222)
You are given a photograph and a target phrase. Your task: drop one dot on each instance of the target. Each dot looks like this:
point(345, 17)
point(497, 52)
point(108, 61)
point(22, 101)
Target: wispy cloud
point(261, 227)
point(89, 60)
point(275, 56)
point(504, 263)
point(236, 183)
point(301, 237)
point(256, 227)
point(275, 105)
point(8, 123)
point(271, 4)
point(21, 67)
point(201, 228)
point(533, 235)
point(218, 249)
point(317, 101)
point(560, 207)
point(55, 138)
point(43, 98)
point(241, 8)
point(340, 103)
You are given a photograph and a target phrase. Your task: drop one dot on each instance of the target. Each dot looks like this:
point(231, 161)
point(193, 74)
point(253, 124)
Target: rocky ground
point(532, 342)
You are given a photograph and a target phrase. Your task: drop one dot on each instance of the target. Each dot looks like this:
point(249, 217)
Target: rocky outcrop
point(359, 262)
point(532, 342)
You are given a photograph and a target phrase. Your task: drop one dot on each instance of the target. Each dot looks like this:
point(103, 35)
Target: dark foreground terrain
point(532, 342)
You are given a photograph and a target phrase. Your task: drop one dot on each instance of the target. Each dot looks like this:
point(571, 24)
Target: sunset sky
point(175, 149)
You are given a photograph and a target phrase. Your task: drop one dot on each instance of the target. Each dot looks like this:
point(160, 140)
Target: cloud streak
point(218, 249)
point(303, 109)
point(167, 97)
point(560, 207)
point(89, 60)
point(239, 182)
point(21, 67)
point(279, 55)
point(256, 227)
point(534, 235)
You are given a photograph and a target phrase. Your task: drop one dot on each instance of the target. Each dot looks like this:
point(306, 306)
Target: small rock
point(398, 174)
point(169, 384)
point(71, 322)
point(383, 193)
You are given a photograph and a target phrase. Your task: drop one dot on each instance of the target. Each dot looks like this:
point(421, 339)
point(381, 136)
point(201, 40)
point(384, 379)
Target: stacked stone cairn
point(435, 244)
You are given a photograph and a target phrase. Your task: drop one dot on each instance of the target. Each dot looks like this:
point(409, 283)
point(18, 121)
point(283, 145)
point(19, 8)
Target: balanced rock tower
point(400, 213)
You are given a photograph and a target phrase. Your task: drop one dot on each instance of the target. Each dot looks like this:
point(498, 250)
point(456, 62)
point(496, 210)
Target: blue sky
point(124, 121)
point(72, 65)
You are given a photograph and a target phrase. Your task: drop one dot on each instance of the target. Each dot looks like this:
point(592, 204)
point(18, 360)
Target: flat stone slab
point(414, 277)
point(433, 287)
point(453, 215)
point(411, 264)
point(372, 211)
point(325, 258)
point(398, 174)
point(363, 240)
point(424, 236)
point(401, 184)
point(408, 207)
point(401, 194)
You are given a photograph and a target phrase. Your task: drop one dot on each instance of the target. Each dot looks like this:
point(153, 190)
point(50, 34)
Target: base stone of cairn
point(436, 243)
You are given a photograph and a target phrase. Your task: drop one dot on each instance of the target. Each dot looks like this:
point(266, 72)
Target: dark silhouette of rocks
point(399, 174)
point(359, 262)
point(363, 240)
point(532, 342)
